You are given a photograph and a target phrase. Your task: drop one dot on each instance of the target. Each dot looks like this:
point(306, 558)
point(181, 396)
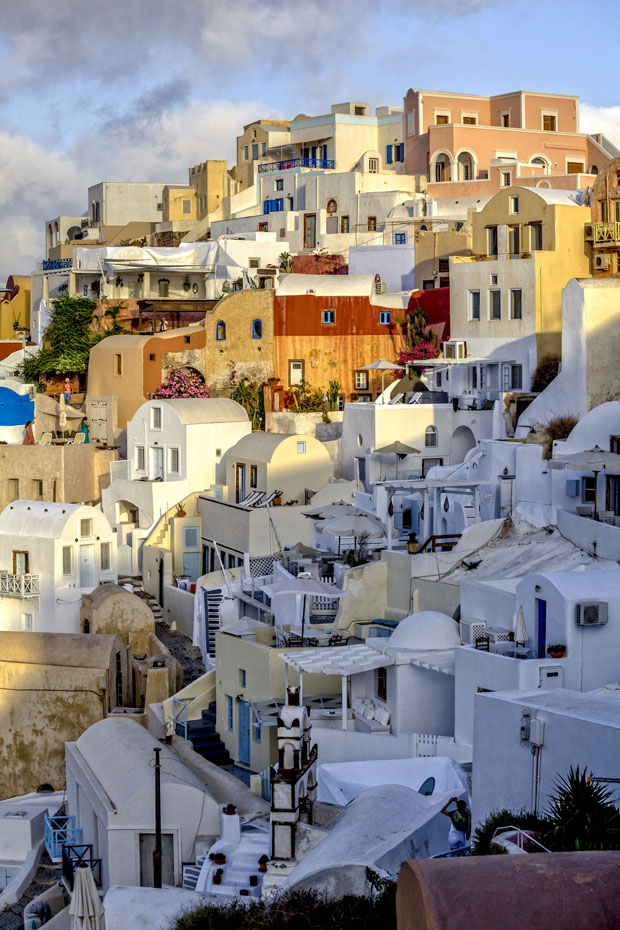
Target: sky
point(140, 90)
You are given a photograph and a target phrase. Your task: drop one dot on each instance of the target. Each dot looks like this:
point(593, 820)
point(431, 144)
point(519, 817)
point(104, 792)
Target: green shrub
point(582, 815)
point(481, 839)
point(546, 370)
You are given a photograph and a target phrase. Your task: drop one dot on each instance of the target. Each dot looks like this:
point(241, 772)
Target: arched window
point(542, 162)
point(332, 206)
point(220, 331)
point(430, 436)
point(257, 329)
point(593, 169)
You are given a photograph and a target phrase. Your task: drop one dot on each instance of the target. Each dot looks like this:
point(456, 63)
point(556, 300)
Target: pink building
point(469, 145)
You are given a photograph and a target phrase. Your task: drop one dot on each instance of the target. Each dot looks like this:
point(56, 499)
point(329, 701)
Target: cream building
point(50, 555)
point(271, 462)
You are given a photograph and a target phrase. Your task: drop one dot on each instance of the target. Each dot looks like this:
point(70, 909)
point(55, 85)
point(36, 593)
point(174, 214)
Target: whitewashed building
point(50, 554)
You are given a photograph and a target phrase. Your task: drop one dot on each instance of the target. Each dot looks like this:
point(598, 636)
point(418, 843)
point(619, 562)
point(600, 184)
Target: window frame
point(513, 292)
point(86, 523)
point(220, 331)
point(105, 549)
point(493, 291)
point(67, 556)
point(279, 185)
point(117, 365)
point(344, 225)
point(470, 305)
point(513, 204)
point(230, 716)
point(156, 422)
point(172, 451)
point(371, 223)
point(400, 238)
point(257, 329)
point(385, 317)
point(549, 114)
point(139, 455)
point(373, 165)
point(253, 476)
point(431, 437)
point(442, 117)
point(301, 447)
point(328, 317)
point(360, 380)
point(296, 361)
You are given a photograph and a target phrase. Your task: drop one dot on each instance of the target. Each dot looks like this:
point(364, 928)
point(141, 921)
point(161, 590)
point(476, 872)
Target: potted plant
point(253, 881)
point(556, 650)
point(219, 859)
point(180, 511)
point(230, 809)
point(277, 501)
point(217, 878)
point(262, 863)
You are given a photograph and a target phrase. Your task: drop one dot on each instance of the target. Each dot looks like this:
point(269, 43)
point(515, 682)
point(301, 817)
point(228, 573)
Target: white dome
point(429, 629)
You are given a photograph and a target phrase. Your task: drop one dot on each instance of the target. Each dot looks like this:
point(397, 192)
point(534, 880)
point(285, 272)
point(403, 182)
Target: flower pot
point(230, 809)
point(262, 867)
point(557, 655)
point(219, 860)
point(244, 891)
point(253, 881)
point(181, 513)
point(277, 502)
point(217, 879)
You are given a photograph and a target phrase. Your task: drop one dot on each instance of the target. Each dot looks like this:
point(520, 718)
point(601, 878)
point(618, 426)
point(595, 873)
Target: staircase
point(191, 872)
point(138, 590)
point(205, 739)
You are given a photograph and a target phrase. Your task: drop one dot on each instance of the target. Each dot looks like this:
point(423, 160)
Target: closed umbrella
point(520, 628)
point(86, 908)
point(399, 449)
point(355, 527)
point(382, 365)
point(594, 460)
point(309, 587)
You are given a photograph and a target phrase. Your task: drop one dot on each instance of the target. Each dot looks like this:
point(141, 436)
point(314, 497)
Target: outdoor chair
point(69, 442)
point(268, 500)
point(78, 439)
point(46, 439)
point(483, 643)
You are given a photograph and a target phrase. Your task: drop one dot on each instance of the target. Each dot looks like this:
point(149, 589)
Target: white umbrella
point(520, 628)
point(382, 365)
point(338, 510)
point(309, 587)
point(355, 527)
point(86, 908)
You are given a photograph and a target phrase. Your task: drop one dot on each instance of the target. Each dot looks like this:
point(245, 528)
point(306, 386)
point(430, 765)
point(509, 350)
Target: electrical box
point(537, 732)
point(550, 677)
point(526, 718)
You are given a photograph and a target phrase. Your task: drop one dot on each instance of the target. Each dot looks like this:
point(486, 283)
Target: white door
point(87, 573)
point(156, 462)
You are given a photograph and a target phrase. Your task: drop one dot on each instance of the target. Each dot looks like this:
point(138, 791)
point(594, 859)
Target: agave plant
point(583, 815)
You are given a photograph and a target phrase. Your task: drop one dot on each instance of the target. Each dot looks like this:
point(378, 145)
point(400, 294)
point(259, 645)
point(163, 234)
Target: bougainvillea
point(183, 382)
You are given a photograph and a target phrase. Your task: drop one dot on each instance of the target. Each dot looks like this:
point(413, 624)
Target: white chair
point(46, 439)
point(79, 439)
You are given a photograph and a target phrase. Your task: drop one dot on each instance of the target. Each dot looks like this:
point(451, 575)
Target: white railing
point(19, 585)
point(121, 470)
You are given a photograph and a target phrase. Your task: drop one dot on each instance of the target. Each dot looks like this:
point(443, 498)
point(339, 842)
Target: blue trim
point(385, 317)
point(328, 317)
point(257, 329)
point(388, 154)
point(221, 338)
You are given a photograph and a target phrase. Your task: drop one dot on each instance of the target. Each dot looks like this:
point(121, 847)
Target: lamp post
point(157, 853)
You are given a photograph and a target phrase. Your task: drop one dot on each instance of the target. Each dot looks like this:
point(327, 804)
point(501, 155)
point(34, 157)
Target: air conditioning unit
point(380, 287)
point(471, 630)
point(602, 262)
point(591, 614)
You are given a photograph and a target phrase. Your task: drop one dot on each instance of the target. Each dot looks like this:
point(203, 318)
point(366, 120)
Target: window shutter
point(266, 206)
point(388, 156)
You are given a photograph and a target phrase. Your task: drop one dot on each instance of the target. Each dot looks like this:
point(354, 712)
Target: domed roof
point(429, 629)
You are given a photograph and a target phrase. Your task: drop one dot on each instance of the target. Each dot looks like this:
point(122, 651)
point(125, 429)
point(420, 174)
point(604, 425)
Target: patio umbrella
point(309, 587)
point(382, 365)
point(355, 527)
point(520, 628)
point(399, 449)
point(594, 460)
point(337, 510)
point(86, 908)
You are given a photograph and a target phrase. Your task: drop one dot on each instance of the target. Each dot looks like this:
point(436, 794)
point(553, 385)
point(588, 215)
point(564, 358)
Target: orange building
point(470, 145)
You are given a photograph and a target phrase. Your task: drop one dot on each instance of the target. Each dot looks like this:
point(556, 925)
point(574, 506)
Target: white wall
point(393, 263)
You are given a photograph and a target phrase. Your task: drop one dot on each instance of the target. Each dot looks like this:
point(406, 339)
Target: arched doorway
point(465, 164)
point(462, 441)
point(441, 167)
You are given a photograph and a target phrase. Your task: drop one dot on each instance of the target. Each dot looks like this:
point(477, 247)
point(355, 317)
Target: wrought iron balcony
point(19, 585)
point(606, 232)
point(57, 264)
point(323, 163)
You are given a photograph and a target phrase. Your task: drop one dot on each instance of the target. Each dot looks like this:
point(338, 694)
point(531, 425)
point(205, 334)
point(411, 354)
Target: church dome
point(428, 629)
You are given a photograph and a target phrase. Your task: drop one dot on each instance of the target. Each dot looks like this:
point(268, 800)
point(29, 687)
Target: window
point(494, 280)
point(173, 461)
point(514, 240)
point(253, 476)
point(246, 153)
point(411, 123)
point(385, 317)
point(37, 489)
point(491, 240)
point(344, 224)
point(381, 683)
point(332, 206)
point(242, 678)
point(428, 284)
point(588, 490)
point(575, 167)
point(280, 184)
point(274, 205)
point(160, 207)
point(444, 265)
point(373, 165)
point(328, 316)
point(361, 380)
point(495, 305)
point(164, 287)
point(372, 223)
point(513, 204)
point(257, 329)
point(516, 377)
point(444, 282)
point(220, 331)
point(13, 489)
point(254, 150)
point(187, 206)
point(229, 713)
point(301, 448)
point(400, 238)
point(536, 237)
point(67, 560)
point(155, 417)
point(27, 623)
point(470, 120)
point(427, 464)
point(106, 556)
point(191, 537)
point(295, 372)
point(441, 119)
point(516, 304)
point(118, 365)
point(152, 357)
point(430, 436)
point(254, 262)
point(359, 111)
point(86, 528)
point(505, 178)
point(505, 119)
point(263, 227)
point(474, 306)
point(257, 728)
point(263, 149)
point(139, 458)
point(549, 122)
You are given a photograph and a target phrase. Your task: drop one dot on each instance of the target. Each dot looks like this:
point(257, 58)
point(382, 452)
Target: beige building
point(178, 203)
point(604, 231)
point(270, 462)
point(211, 182)
point(261, 139)
point(54, 686)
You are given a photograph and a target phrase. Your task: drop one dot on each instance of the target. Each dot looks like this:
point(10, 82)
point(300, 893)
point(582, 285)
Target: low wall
point(601, 539)
point(178, 609)
point(305, 424)
point(337, 745)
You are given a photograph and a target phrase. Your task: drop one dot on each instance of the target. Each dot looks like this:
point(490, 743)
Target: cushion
point(382, 715)
point(369, 711)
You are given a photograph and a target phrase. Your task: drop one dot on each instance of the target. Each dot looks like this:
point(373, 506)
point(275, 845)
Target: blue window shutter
point(324, 152)
point(281, 203)
point(388, 157)
point(266, 206)
point(402, 151)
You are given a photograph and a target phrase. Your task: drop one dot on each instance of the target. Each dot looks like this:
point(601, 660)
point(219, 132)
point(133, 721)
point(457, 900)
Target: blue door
point(541, 615)
point(244, 731)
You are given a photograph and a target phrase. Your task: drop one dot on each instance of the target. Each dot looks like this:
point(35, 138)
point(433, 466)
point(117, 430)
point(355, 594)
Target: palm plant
point(583, 815)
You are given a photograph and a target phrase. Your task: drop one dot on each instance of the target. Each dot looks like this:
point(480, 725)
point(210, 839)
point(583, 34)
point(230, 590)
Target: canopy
point(397, 448)
point(383, 365)
point(594, 460)
point(354, 526)
point(338, 510)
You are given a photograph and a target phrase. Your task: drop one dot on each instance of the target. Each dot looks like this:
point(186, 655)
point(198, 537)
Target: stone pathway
point(48, 874)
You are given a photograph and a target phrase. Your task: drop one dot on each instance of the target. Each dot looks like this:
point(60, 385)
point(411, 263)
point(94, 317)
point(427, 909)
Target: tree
point(183, 382)
point(546, 371)
point(67, 341)
point(582, 814)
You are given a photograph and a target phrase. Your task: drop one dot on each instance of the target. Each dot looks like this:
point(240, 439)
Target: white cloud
point(594, 119)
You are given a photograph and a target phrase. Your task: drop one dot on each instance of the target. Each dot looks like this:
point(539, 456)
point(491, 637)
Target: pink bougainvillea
point(183, 382)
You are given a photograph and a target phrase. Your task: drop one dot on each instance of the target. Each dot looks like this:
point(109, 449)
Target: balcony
point(606, 232)
point(19, 585)
point(325, 164)
point(57, 264)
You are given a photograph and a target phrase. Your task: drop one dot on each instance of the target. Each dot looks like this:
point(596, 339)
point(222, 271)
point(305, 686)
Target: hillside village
point(310, 519)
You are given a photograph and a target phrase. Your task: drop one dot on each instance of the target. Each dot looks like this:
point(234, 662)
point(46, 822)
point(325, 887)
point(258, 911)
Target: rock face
point(553, 891)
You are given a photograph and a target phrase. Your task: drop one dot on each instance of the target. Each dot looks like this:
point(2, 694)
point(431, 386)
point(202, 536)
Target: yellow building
point(15, 315)
point(264, 138)
point(211, 182)
point(178, 203)
point(506, 298)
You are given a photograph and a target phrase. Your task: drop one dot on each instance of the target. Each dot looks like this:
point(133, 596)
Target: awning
point(344, 661)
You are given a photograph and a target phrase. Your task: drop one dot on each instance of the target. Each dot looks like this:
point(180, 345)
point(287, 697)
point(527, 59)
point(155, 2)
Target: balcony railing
point(324, 163)
point(606, 232)
point(57, 264)
point(19, 585)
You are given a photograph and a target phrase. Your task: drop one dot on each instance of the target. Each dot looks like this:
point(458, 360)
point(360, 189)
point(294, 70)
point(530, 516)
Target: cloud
point(594, 119)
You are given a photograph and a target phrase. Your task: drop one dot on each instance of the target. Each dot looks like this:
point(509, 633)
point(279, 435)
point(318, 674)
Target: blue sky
point(142, 89)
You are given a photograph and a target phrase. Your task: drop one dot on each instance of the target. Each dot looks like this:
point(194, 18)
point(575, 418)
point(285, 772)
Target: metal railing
point(464, 850)
point(57, 264)
point(606, 232)
point(59, 831)
point(19, 585)
point(76, 855)
point(323, 163)
point(523, 839)
point(179, 713)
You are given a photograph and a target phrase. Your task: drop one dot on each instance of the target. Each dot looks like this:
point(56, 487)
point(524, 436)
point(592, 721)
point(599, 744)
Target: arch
point(543, 184)
point(431, 436)
point(257, 329)
point(74, 232)
point(56, 233)
point(50, 236)
point(541, 160)
point(462, 441)
point(441, 166)
point(466, 165)
point(332, 205)
point(220, 331)
point(593, 169)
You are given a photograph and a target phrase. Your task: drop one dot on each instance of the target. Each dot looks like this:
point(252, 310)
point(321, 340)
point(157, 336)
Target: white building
point(51, 553)
point(394, 263)
point(110, 790)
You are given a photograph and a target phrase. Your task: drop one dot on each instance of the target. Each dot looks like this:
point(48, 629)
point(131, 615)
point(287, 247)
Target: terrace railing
point(325, 164)
point(19, 585)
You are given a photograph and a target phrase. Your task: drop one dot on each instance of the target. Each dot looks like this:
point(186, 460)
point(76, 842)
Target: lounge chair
point(252, 499)
point(46, 439)
point(78, 439)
